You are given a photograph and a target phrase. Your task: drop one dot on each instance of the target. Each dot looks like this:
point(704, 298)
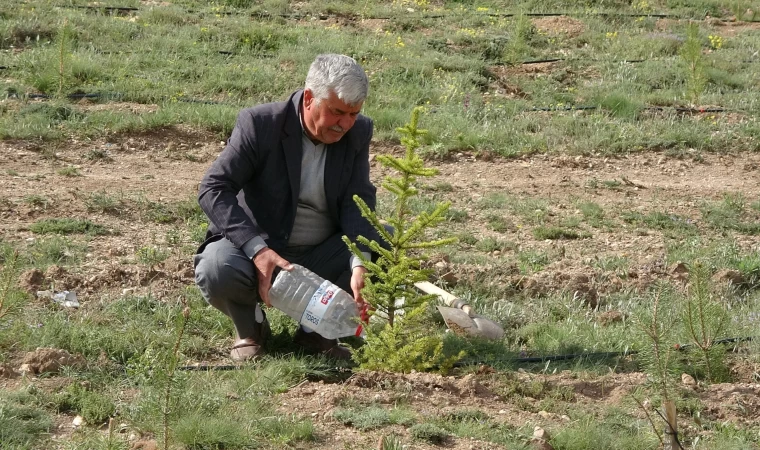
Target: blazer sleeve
point(217, 196)
point(351, 221)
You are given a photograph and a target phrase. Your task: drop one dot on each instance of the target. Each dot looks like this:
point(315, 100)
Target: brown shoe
point(316, 343)
point(251, 348)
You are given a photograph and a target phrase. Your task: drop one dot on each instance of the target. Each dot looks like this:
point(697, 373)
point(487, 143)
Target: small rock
point(77, 422)
point(688, 380)
point(545, 415)
point(540, 433)
point(145, 444)
point(25, 369)
point(540, 439)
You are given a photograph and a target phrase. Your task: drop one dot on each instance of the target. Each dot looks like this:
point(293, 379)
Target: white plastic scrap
point(66, 298)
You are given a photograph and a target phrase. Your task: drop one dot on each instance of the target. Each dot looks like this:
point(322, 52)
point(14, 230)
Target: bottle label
point(318, 304)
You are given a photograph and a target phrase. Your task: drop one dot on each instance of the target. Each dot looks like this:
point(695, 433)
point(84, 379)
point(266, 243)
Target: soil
point(167, 165)
point(559, 25)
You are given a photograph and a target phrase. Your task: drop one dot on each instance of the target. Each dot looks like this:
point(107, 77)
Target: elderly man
point(281, 192)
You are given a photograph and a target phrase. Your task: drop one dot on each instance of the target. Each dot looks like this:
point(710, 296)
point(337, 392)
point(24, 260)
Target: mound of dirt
point(50, 360)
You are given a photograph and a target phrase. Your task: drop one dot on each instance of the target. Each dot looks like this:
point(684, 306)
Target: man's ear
point(308, 98)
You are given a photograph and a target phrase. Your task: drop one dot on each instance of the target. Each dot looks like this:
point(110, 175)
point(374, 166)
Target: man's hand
point(265, 261)
point(357, 284)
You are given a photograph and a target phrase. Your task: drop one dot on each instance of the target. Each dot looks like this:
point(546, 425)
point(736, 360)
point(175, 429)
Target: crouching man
point(281, 192)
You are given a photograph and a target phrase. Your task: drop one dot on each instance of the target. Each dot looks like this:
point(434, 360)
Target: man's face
point(328, 120)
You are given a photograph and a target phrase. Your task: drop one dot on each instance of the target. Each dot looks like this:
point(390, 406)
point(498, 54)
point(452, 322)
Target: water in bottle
point(316, 303)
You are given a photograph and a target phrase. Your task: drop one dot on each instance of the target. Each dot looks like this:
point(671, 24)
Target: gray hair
point(340, 74)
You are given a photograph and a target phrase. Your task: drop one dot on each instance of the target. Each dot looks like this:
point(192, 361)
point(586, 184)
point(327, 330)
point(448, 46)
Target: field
point(603, 163)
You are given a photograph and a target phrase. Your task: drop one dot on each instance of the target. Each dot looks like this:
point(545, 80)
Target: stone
point(688, 380)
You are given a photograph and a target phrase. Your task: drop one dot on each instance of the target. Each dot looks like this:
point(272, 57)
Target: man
point(281, 192)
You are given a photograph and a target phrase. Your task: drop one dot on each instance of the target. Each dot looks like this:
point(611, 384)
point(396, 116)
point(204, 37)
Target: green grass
point(23, 421)
point(373, 416)
point(69, 171)
point(67, 226)
point(554, 233)
point(448, 63)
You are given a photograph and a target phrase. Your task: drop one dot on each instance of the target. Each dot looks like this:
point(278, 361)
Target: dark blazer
point(252, 188)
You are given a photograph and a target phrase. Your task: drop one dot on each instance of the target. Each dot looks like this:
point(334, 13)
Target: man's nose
point(346, 122)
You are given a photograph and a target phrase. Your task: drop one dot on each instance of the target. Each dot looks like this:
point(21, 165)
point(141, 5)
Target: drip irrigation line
point(119, 95)
point(77, 96)
point(521, 360)
point(107, 8)
point(325, 16)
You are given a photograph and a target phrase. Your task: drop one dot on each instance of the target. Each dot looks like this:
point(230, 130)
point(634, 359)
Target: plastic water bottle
point(316, 303)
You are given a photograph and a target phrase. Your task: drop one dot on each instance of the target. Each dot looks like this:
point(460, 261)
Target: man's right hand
point(265, 261)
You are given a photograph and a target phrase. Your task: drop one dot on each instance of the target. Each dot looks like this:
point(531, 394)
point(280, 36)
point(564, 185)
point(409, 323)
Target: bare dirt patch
point(560, 25)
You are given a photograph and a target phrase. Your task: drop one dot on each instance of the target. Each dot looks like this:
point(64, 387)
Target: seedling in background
point(691, 54)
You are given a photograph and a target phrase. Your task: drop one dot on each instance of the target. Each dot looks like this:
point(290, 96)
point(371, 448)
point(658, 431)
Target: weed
point(67, 226)
point(69, 171)
point(37, 201)
point(499, 224)
point(553, 233)
point(12, 172)
point(466, 238)
point(593, 213)
point(440, 186)
point(659, 220)
point(729, 215)
point(531, 210)
point(103, 202)
point(391, 442)
point(495, 200)
point(456, 215)
point(429, 433)
point(617, 264)
point(613, 185)
point(531, 261)
point(371, 417)
point(94, 407)
point(490, 244)
point(54, 250)
point(97, 154)
point(22, 423)
point(151, 255)
point(11, 300)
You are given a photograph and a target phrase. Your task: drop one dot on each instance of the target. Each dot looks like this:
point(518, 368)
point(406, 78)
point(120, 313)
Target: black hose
point(264, 14)
point(521, 360)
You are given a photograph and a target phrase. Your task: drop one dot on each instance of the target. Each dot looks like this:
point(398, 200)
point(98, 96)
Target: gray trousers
point(227, 280)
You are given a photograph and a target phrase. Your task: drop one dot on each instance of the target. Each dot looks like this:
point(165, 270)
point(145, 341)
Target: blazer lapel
point(293, 149)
